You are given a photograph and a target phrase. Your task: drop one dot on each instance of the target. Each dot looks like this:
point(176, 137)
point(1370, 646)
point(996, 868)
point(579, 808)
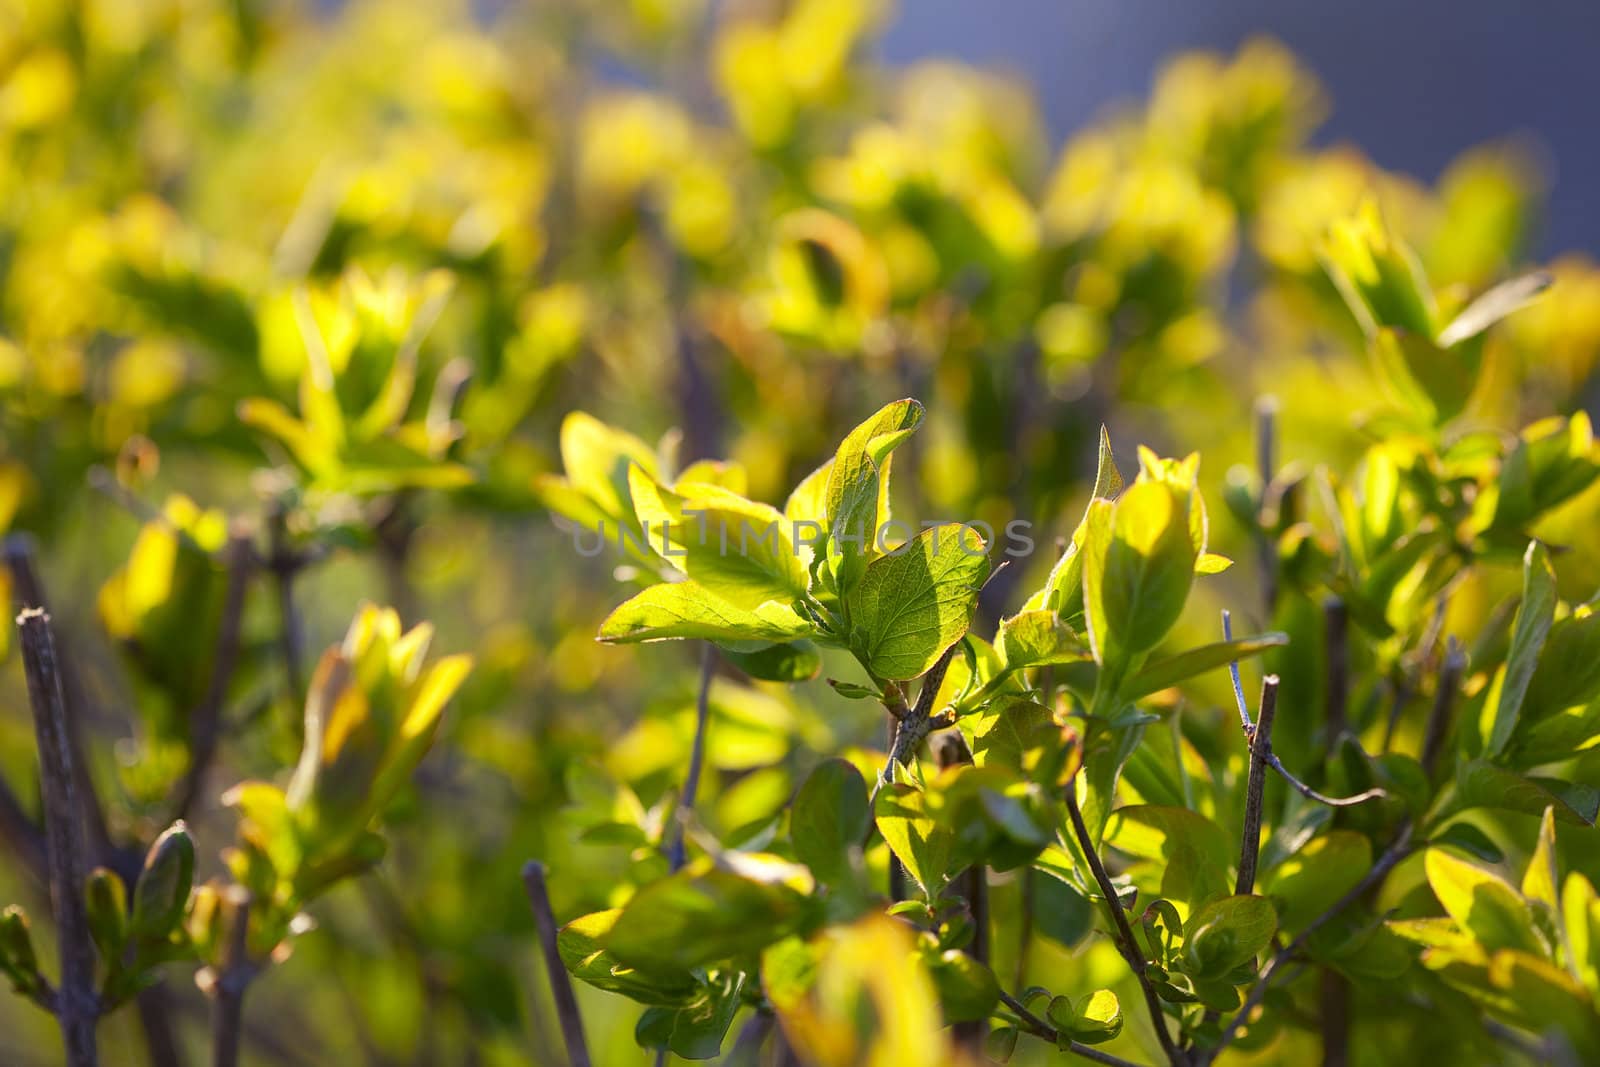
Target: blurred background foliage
point(332, 279)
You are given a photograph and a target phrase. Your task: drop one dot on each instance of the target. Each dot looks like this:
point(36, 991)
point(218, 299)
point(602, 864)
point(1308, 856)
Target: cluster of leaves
point(229, 235)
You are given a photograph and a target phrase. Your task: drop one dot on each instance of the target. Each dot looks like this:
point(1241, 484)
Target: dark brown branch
point(1444, 697)
point(677, 853)
point(231, 980)
point(1121, 932)
point(28, 592)
point(560, 983)
point(1029, 1023)
point(1374, 877)
point(77, 1006)
point(1256, 787)
point(206, 718)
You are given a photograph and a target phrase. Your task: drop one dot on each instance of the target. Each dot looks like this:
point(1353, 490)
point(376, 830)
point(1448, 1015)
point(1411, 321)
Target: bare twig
point(1272, 759)
point(205, 719)
point(1444, 696)
point(77, 1006)
point(231, 979)
point(28, 592)
point(1380, 870)
point(677, 852)
point(560, 983)
point(1121, 932)
point(1030, 1023)
point(1255, 790)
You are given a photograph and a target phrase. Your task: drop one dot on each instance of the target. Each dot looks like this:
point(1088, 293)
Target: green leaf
point(911, 606)
point(1494, 305)
point(597, 459)
point(1471, 840)
point(914, 835)
point(1481, 903)
point(736, 549)
point(707, 914)
point(1312, 880)
point(1093, 1020)
point(1226, 934)
point(857, 486)
point(1480, 784)
point(1541, 880)
point(1061, 913)
point(830, 819)
point(1035, 638)
point(1023, 736)
point(1000, 1044)
point(162, 891)
point(1137, 572)
point(1063, 590)
point(696, 1030)
point(581, 946)
point(792, 661)
point(1154, 677)
point(1568, 670)
point(684, 609)
point(1192, 852)
point(1534, 617)
point(105, 905)
point(968, 989)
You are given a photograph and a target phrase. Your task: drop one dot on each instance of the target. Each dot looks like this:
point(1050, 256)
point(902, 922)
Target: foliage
point(299, 305)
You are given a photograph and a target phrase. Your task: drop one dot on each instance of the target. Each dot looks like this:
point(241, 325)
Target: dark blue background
point(1412, 83)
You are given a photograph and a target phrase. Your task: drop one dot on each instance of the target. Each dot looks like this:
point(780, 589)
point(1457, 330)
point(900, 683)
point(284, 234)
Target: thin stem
point(1255, 790)
point(1444, 696)
point(1272, 759)
point(1266, 469)
point(1030, 1023)
point(1380, 870)
point(677, 854)
point(1122, 933)
point(233, 976)
point(560, 983)
point(205, 720)
point(77, 1006)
